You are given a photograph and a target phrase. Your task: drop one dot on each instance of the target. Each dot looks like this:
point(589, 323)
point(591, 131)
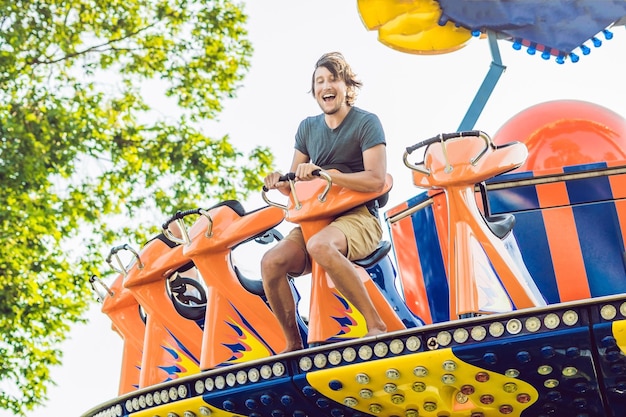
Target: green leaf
point(83, 159)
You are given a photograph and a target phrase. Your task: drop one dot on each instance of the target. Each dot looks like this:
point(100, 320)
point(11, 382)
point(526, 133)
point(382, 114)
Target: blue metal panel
point(602, 247)
point(433, 268)
point(584, 167)
point(589, 189)
point(512, 200)
point(531, 237)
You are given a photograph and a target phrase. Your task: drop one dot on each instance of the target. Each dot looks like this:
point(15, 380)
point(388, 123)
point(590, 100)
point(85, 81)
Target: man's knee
point(316, 246)
point(320, 248)
point(272, 260)
point(281, 260)
point(327, 242)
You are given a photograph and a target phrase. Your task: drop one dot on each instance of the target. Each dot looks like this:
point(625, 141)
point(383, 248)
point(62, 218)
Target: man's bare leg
point(328, 248)
point(285, 257)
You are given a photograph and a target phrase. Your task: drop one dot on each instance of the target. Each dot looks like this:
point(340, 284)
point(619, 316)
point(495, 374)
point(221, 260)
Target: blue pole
point(484, 92)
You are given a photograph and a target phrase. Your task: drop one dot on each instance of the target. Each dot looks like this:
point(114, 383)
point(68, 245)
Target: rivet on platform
point(449, 366)
point(581, 387)
point(486, 399)
point(509, 387)
point(544, 370)
point(392, 373)
point(418, 387)
point(613, 355)
point(448, 379)
point(490, 358)
point(572, 352)
point(366, 393)
point(430, 406)
point(362, 378)
point(468, 389)
point(553, 396)
point(608, 341)
point(397, 398)
point(335, 412)
point(350, 402)
point(228, 405)
point(482, 377)
point(523, 356)
point(390, 388)
point(420, 371)
point(322, 403)
point(548, 352)
point(569, 371)
point(551, 383)
point(461, 398)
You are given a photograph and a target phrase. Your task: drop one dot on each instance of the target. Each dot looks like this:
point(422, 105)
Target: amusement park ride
point(506, 294)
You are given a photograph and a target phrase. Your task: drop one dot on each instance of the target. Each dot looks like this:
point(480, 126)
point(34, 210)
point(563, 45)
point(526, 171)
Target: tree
point(80, 151)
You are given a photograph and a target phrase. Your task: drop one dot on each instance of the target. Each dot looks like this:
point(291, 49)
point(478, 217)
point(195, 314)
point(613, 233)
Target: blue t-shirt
point(344, 145)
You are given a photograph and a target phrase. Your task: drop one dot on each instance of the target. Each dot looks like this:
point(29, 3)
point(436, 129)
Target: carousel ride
point(503, 285)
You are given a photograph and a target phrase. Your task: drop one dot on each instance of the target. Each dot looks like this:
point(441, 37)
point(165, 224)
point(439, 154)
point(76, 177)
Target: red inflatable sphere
point(564, 133)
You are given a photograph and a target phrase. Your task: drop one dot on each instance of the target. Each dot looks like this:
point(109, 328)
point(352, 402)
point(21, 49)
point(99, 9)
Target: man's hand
point(272, 181)
point(304, 172)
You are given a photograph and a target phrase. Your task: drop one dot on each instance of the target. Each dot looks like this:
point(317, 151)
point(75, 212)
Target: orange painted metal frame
point(331, 316)
point(123, 310)
point(239, 326)
point(451, 168)
point(172, 343)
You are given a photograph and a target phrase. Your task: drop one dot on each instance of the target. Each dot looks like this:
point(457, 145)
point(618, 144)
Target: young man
point(343, 135)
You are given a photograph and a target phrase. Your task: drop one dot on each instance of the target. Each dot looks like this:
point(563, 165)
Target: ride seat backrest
point(191, 307)
point(233, 204)
point(252, 285)
point(500, 225)
point(373, 258)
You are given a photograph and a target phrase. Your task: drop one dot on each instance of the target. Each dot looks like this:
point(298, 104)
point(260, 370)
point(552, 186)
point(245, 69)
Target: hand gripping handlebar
point(291, 176)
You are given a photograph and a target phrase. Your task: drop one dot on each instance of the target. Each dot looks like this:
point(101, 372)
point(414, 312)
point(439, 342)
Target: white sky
point(416, 97)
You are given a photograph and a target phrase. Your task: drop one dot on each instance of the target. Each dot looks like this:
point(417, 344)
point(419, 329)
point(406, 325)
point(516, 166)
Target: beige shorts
point(362, 230)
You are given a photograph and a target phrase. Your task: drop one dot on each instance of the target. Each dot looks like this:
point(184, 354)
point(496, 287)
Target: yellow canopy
point(412, 26)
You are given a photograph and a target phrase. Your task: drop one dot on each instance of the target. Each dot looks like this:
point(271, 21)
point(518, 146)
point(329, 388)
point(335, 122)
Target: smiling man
point(348, 143)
